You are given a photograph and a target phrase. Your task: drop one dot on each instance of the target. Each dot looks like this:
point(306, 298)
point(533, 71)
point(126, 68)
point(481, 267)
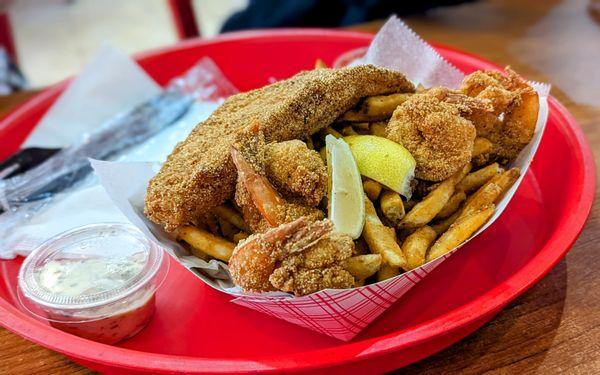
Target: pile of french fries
point(427, 228)
point(398, 235)
point(217, 236)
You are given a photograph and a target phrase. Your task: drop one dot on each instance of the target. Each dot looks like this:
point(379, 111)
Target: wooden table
point(555, 326)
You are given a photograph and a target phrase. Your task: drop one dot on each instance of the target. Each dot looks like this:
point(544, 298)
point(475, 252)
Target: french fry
point(483, 197)
point(459, 232)
point(361, 126)
point(387, 272)
point(354, 116)
point(212, 223)
point(363, 266)
point(232, 216)
point(206, 243)
point(392, 206)
point(475, 180)
point(416, 245)
point(443, 225)
point(348, 130)
point(505, 180)
point(372, 189)
point(481, 146)
point(383, 105)
point(378, 128)
point(320, 64)
point(452, 205)
point(197, 253)
point(227, 229)
point(381, 239)
point(491, 192)
point(424, 211)
point(375, 108)
point(332, 131)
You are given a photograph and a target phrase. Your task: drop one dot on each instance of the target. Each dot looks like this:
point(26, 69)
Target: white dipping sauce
point(97, 281)
point(72, 278)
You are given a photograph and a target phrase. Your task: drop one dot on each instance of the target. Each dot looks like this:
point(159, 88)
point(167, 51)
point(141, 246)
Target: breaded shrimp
point(467, 106)
point(515, 110)
point(436, 134)
point(300, 257)
point(200, 174)
point(297, 172)
point(250, 213)
point(255, 194)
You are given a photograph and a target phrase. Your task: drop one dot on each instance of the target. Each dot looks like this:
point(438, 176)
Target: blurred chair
point(11, 78)
point(184, 18)
point(6, 37)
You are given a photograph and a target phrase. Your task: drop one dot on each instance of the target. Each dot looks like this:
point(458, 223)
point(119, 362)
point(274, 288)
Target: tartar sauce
point(97, 281)
point(72, 278)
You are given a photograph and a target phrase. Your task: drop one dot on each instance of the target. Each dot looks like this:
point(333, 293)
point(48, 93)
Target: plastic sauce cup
point(97, 281)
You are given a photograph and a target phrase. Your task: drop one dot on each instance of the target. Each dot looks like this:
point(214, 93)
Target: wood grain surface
point(553, 328)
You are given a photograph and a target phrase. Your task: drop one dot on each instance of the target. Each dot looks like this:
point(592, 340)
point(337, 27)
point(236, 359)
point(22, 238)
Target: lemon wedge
point(346, 206)
point(384, 161)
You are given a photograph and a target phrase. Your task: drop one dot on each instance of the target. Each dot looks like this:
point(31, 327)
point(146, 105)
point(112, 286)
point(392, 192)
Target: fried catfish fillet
point(200, 174)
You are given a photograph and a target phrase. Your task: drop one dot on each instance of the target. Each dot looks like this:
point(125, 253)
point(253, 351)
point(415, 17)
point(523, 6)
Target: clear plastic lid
point(89, 266)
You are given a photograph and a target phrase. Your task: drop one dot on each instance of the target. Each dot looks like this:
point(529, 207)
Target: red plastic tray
point(196, 329)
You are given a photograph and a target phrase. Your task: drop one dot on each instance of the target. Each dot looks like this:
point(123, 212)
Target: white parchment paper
point(110, 83)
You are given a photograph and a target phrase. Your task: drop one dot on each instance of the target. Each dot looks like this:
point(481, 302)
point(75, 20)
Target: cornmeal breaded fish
point(199, 174)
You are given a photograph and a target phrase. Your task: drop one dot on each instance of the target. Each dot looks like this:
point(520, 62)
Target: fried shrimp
point(299, 257)
point(466, 105)
point(511, 124)
point(297, 172)
point(436, 134)
point(200, 174)
point(261, 204)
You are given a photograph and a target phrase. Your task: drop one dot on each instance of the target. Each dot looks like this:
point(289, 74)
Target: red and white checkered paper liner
point(337, 313)
point(340, 313)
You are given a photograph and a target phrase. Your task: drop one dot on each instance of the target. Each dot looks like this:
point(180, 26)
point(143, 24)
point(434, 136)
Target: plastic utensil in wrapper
point(96, 281)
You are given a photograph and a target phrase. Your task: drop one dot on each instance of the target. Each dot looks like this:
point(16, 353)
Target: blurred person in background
point(261, 14)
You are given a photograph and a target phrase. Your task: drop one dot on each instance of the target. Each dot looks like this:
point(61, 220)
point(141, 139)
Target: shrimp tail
point(302, 233)
point(262, 193)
